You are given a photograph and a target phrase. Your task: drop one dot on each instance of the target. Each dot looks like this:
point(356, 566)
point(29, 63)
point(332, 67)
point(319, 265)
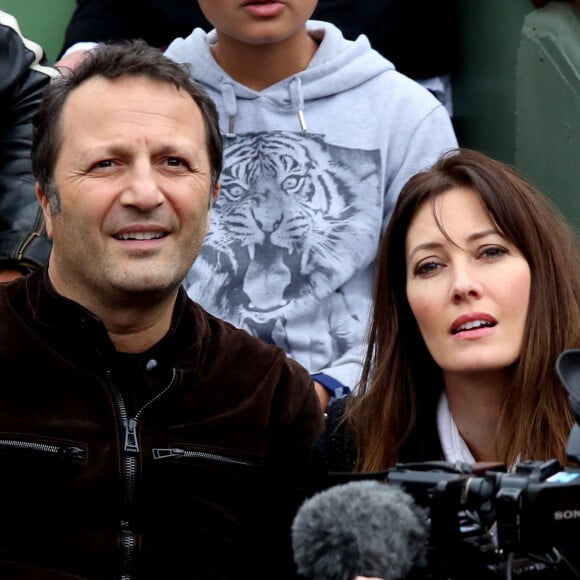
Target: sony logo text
point(567, 515)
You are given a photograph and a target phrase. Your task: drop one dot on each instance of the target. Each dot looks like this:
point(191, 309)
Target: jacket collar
point(72, 328)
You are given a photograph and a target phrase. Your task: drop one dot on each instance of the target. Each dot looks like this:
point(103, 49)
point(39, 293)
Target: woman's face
point(470, 295)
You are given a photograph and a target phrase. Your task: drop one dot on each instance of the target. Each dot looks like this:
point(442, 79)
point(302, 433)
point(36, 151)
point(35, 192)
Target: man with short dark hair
point(149, 439)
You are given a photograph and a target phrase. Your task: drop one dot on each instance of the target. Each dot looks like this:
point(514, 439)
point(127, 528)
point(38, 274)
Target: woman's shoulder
point(334, 450)
point(334, 417)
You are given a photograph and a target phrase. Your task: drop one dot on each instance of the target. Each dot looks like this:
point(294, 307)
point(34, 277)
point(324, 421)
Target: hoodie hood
point(338, 66)
point(340, 63)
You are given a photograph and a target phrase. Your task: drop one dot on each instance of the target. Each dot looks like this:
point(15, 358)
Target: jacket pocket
point(199, 455)
point(206, 471)
point(40, 476)
point(40, 471)
point(210, 499)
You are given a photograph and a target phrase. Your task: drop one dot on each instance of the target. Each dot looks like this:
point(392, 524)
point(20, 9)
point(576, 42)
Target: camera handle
point(568, 369)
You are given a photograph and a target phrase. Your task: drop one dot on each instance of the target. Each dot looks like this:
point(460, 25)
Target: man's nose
point(142, 190)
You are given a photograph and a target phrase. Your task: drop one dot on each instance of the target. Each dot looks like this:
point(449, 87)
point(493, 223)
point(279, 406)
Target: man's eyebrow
point(120, 149)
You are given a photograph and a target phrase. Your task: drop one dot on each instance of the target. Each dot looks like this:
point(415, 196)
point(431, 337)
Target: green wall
point(548, 105)
point(43, 21)
point(484, 81)
point(517, 91)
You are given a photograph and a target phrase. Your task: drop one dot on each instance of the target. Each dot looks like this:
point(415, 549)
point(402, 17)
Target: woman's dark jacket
point(24, 73)
point(186, 461)
point(335, 453)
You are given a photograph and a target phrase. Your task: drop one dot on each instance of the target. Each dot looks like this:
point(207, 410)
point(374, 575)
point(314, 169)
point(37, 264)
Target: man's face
point(133, 175)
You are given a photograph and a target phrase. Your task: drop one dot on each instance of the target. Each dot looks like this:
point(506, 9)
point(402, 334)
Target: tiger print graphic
point(291, 224)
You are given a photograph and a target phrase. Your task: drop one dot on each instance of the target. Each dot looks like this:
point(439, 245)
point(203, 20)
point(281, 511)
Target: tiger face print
point(290, 224)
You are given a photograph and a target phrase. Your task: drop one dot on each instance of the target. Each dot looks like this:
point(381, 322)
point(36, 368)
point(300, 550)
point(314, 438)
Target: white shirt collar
point(453, 445)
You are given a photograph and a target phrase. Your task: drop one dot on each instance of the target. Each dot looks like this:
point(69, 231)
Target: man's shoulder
point(10, 291)
point(222, 329)
point(240, 344)
point(232, 356)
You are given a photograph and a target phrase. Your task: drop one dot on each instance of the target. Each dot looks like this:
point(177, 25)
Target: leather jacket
point(24, 72)
point(185, 461)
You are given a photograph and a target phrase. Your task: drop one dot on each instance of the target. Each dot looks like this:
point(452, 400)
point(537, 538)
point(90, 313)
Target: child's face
point(258, 21)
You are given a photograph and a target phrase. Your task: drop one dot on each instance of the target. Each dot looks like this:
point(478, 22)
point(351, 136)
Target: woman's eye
point(493, 252)
point(427, 268)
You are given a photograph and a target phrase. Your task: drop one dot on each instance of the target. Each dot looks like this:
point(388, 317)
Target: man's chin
point(146, 286)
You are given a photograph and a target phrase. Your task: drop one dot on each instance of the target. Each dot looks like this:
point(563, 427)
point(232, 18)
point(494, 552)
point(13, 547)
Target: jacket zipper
point(60, 451)
point(128, 538)
point(37, 231)
point(128, 548)
point(177, 453)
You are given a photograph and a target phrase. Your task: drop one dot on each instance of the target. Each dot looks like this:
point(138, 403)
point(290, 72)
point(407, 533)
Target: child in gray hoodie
point(321, 133)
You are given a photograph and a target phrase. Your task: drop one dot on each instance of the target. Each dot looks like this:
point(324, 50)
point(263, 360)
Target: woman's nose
point(465, 284)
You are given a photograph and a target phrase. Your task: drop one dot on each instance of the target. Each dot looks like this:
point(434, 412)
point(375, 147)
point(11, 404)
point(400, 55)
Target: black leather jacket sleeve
point(24, 73)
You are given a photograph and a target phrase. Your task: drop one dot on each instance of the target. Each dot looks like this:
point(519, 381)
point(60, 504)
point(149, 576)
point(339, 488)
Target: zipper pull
point(167, 453)
point(131, 441)
point(71, 452)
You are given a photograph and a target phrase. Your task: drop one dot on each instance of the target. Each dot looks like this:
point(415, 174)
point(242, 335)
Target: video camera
point(488, 523)
point(449, 521)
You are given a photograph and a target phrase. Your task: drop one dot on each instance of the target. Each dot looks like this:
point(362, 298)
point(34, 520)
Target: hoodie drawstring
point(230, 105)
point(297, 98)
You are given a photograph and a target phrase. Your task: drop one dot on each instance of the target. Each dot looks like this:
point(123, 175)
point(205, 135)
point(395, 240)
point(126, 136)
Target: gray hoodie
point(312, 168)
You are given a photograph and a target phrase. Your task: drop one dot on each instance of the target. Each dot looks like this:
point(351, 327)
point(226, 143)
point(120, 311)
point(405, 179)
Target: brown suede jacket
point(186, 461)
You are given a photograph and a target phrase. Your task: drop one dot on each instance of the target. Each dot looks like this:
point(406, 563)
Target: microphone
point(360, 528)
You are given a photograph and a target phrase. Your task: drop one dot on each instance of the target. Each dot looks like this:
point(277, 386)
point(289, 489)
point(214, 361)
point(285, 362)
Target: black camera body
point(488, 523)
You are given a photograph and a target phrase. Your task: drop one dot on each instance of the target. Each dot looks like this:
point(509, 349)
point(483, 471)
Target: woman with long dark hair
point(477, 293)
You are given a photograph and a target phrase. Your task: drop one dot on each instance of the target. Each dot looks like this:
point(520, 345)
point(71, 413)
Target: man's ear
point(214, 194)
point(42, 199)
point(212, 198)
